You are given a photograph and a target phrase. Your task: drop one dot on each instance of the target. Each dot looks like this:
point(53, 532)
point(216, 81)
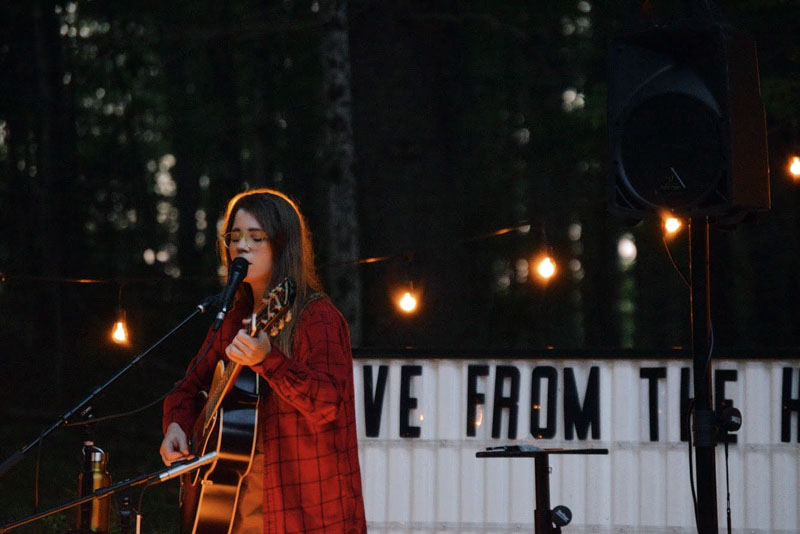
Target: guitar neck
point(269, 318)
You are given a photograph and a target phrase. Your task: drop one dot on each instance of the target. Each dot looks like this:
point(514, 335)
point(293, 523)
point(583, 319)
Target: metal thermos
point(93, 515)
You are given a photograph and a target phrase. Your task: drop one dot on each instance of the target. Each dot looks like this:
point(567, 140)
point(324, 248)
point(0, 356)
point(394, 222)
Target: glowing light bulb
point(546, 268)
point(672, 224)
point(119, 333)
point(408, 302)
point(794, 168)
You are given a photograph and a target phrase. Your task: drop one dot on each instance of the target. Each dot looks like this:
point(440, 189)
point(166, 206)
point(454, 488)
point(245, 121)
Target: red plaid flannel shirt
point(312, 479)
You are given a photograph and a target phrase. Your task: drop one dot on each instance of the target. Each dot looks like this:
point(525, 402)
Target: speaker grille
point(686, 124)
point(671, 154)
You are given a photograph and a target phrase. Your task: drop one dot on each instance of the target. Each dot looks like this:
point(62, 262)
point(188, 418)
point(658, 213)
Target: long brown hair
point(290, 239)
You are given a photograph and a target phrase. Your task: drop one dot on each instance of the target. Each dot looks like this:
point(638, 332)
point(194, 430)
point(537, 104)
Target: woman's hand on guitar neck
point(248, 350)
point(175, 446)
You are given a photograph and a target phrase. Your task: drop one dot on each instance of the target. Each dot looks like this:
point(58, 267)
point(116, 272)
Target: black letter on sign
point(549, 431)
point(685, 379)
point(511, 402)
point(720, 377)
point(652, 374)
point(373, 399)
point(473, 397)
point(407, 402)
point(579, 417)
point(789, 405)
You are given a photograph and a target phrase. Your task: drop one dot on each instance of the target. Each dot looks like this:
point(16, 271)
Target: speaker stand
point(701, 339)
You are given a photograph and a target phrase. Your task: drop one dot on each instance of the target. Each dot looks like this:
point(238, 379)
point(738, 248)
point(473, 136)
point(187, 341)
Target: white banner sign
point(421, 422)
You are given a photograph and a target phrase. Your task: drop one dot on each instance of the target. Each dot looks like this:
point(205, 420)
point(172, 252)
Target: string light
point(545, 267)
point(408, 302)
point(119, 332)
point(672, 225)
point(407, 299)
point(794, 167)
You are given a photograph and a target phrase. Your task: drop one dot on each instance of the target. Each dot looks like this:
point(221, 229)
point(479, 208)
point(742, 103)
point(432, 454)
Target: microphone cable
point(727, 485)
point(691, 463)
point(177, 384)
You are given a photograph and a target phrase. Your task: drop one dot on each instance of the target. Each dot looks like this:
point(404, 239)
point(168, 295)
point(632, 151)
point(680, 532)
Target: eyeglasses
point(251, 237)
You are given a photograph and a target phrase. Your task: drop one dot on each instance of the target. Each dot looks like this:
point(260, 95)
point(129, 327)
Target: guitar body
point(209, 496)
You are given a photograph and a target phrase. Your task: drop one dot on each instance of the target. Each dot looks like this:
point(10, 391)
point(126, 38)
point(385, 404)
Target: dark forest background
point(409, 132)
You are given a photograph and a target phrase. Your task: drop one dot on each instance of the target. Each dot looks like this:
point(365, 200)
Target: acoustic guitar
point(227, 425)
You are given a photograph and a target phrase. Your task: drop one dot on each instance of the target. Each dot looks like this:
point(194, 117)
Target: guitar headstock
point(276, 309)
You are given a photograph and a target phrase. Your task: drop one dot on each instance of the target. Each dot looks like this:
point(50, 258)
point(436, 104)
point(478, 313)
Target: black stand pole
point(542, 524)
point(705, 418)
point(15, 458)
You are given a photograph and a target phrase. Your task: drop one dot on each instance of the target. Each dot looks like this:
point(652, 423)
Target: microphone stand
point(149, 479)
point(15, 458)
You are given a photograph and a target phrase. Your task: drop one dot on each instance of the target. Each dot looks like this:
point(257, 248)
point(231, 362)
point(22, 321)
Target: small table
point(542, 517)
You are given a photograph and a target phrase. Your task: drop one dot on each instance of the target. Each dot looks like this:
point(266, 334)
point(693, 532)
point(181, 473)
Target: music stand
point(543, 517)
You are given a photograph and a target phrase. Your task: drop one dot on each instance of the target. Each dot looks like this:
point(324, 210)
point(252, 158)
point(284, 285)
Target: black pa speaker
point(687, 132)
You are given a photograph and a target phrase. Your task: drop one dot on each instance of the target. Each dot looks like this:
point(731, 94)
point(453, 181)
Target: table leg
point(542, 523)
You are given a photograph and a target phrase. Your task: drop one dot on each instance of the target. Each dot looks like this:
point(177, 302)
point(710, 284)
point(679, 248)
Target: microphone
point(185, 467)
point(236, 273)
point(210, 302)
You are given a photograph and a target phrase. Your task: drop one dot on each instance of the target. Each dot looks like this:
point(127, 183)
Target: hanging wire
point(691, 463)
point(727, 487)
point(5, 277)
point(674, 264)
point(523, 226)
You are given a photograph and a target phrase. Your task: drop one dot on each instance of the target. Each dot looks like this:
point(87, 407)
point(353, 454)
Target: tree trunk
point(343, 241)
point(50, 177)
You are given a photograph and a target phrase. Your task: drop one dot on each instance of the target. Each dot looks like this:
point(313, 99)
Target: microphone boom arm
point(17, 456)
point(150, 478)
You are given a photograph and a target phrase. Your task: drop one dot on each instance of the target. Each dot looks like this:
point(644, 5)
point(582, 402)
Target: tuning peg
point(281, 324)
point(288, 317)
point(274, 331)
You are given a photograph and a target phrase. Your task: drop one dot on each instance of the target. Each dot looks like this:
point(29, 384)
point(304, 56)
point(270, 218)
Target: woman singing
point(305, 476)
